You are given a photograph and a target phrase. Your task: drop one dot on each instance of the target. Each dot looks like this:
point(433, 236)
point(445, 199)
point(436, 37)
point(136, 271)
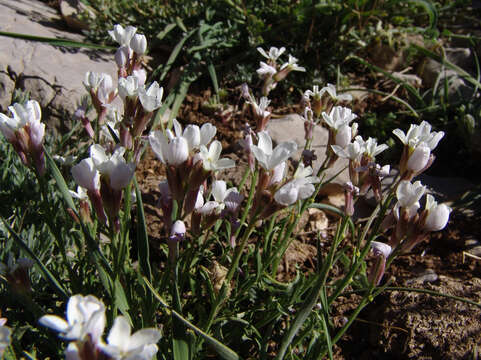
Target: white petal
point(207, 132)
point(144, 337)
point(158, 142)
point(54, 322)
point(121, 175)
point(119, 335)
point(219, 188)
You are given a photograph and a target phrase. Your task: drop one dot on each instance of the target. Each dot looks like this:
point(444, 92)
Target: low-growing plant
point(212, 285)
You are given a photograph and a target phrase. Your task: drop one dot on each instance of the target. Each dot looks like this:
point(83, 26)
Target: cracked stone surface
point(53, 75)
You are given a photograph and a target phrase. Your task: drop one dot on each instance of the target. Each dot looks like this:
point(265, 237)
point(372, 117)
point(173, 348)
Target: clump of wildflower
point(25, 132)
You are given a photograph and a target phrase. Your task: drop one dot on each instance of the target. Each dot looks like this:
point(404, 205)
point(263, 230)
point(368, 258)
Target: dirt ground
point(398, 324)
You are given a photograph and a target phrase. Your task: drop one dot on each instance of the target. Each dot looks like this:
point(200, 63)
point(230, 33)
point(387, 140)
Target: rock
point(445, 188)
point(317, 219)
point(458, 88)
point(291, 128)
point(53, 75)
point(74, 13)
point(7, 86)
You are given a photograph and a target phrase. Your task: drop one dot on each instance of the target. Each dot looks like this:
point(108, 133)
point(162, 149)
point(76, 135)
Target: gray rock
point(458, 88)
point(7, 86)
point(53, 75)
point(291, 128)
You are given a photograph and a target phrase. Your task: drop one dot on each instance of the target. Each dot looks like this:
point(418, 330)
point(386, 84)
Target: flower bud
point(122, 56)
point(419, 158)
point(438, 215)
point(343, 136)
point(138, 43)
point(178, 230)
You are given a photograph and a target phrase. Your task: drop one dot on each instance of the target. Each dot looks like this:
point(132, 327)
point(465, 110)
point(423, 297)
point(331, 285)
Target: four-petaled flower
point(85, 316)
point(269, 158)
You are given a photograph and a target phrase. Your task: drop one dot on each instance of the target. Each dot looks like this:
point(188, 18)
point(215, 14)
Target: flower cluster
point(127, 108)
point(418, 142)
point(26, 133)
point(102, 177)
point(85, 326)
point(411, 226)
point(271, 72)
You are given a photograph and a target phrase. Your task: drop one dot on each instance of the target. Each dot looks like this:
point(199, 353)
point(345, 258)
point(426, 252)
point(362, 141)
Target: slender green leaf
point(142, 235)
point(62, 185)
point(56, 42)
point(430, 9)
point(411, 89)
point(448, 64)
point(166, 30)
point(43, 269)
point(223, 351)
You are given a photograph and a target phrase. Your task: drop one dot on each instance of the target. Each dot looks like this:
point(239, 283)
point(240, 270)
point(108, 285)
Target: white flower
point(141, 75)
point(28, 114)
point(278, 173)
point(273, 54)
point(370, 146)
point(173, 152)
point(138, 43)
point(122, 345)
point(408, 196)
point(314, 93)
point(265, 70)
point(291, 65)
point(85, 316)
point(299, 188)
point(121, 35)
point(419, 158)
point(381, 249)
point(261, 108)
point(343, 136)
point(128, 87)
point(114, 166)
point(418, 134)
point(338, 117)
point(151, 98)
point(80, 194)
point(438, 215)
point(178, 231)
point(269, 158)
point(210, 157)
point(331, 90)
point(352, 151)
point(195, 137)
point(5, 339)
point(95, 80)
point(122, 56)
point(86, 174)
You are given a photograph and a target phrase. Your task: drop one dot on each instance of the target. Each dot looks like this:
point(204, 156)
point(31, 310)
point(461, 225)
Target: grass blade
point(448, 64)
point(142, 236)
point(55, 41)
point(223, 351)
point(43, 269)
point(62, 185)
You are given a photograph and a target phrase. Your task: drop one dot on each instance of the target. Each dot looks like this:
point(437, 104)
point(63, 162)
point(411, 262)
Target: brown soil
point(397, 324)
